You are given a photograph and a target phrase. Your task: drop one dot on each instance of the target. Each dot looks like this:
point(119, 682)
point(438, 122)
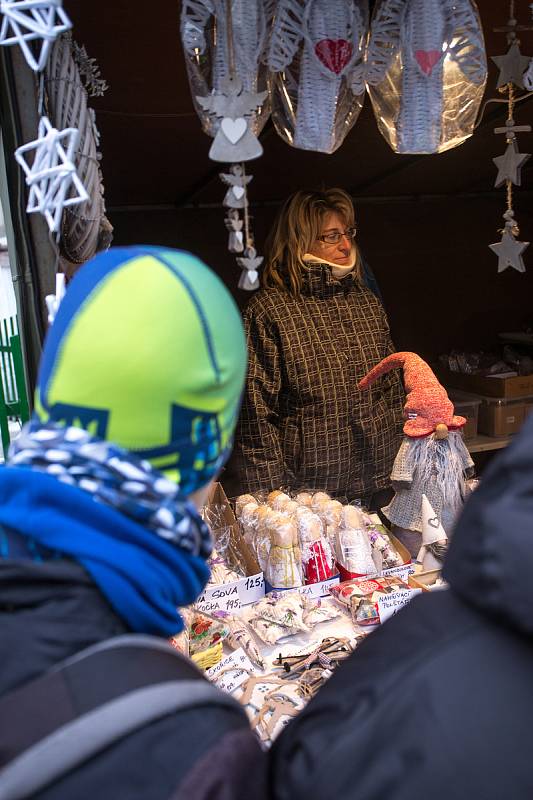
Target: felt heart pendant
point(252, 275)
point(434, 522)
point(334, 53)
point(238, 191)
point(233, 129)
point(427, 59)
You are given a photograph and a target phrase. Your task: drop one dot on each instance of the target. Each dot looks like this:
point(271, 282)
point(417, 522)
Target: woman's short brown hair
point(296, 227)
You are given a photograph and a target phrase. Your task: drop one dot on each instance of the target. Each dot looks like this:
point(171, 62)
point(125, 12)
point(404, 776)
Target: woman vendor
point(314, 331)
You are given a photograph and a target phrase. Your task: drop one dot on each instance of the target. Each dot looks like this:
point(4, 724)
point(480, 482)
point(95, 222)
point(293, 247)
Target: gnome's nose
point(441, 431)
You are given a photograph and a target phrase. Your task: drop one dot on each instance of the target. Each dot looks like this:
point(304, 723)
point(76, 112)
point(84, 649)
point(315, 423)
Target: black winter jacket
point(438, 702)
point(51, 610)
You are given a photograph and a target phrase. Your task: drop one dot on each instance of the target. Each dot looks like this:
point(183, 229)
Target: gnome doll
point(434, 539)
point(432, 458)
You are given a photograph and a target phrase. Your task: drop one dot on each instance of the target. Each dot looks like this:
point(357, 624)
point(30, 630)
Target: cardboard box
point(501, 417)
point(467, 405)
point(516, 386)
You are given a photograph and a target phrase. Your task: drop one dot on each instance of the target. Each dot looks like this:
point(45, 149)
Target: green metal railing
point(13, 395)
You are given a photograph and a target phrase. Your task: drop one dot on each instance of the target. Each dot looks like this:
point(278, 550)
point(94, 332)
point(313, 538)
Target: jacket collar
point(319, 281)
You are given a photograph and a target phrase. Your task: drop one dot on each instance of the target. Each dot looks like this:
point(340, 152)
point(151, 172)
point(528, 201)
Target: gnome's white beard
point(440, 462)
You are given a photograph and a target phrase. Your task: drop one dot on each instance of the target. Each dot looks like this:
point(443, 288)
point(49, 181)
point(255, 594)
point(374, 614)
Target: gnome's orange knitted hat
point(427, 404)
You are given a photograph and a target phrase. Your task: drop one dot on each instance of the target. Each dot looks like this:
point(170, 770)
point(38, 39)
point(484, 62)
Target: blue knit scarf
point(143, 544)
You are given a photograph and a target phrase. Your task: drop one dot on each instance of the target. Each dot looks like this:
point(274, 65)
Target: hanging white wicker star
point(27, 20)
point(52, 174)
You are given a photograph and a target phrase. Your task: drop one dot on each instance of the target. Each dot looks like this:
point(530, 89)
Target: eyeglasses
point(334, 237)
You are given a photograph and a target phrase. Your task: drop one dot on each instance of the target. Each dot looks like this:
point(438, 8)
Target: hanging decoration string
point(512, 67)
point(249, 262)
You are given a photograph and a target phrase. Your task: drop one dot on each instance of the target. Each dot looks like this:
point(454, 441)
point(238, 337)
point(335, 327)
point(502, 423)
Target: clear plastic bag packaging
point(222, 40)
point(317, 558)
point(249, 519)
point(277, 498)
point(352, 547)
point(263, 542)
point(221, 572)
point(315, 55)
point(426, 71)
point(243, 500)
point(284, 566)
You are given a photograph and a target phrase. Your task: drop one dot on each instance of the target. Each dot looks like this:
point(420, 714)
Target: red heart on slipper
point(427, 59)
point(334, 53)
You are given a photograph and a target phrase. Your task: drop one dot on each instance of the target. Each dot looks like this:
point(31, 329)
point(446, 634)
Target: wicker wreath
point(85, 228)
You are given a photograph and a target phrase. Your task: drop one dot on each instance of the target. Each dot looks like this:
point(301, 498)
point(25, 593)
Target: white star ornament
point(29, 20)
point(51, 176)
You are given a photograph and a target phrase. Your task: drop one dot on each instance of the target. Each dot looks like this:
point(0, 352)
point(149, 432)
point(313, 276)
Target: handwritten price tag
point(252, 588)
point(389, 604)
point(220, 598)
point(401, 572)
point(318, 589)
point(232, 596)
point(235, 668)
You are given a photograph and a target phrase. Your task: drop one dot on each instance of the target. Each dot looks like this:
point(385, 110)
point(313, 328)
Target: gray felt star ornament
point(509, 252)
point(510, 164)
point(512, 67)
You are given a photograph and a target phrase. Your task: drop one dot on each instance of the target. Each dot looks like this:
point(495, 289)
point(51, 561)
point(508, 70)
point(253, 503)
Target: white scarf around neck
point(339, 271)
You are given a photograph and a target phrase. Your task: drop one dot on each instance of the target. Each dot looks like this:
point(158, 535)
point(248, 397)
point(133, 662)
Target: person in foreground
point(101, 541)
point(437, 702)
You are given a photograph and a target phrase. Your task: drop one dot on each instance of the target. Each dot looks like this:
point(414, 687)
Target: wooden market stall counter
point(482, 444)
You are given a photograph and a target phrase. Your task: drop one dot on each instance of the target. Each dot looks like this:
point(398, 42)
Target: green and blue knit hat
point(147, 350)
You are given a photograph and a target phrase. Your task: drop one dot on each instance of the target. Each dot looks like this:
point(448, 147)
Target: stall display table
point(482, 444)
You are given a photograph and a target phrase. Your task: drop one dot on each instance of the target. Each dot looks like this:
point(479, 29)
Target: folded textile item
point(286, 614)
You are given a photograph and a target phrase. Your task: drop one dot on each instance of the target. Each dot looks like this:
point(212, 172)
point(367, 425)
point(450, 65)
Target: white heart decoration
point(252, 275)
point(233, 129)
point(238, 191)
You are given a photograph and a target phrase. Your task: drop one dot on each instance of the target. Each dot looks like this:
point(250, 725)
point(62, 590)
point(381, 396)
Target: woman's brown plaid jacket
point(304, 423)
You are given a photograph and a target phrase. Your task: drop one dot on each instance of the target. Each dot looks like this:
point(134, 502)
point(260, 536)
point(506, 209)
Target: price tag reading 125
point(252, 588)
